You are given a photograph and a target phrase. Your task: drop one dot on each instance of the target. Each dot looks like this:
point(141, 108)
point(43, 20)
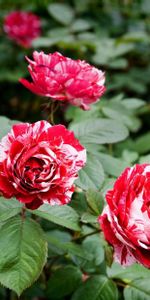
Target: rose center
point(33, 168)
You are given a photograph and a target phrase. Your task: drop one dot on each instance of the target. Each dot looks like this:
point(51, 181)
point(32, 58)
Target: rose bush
point(65, 79)
point(126, 218)
point(39, 163)
point(22, 27)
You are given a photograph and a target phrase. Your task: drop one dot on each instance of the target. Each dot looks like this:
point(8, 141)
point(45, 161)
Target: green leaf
point(61, 12)
point(92, 175)
point(129, 156)
point(133, 103)
point(77, 115)
point(142, 144)
point(67, 247)
point(63, 282)
point(138, 289)
point(112, 166)
point(117, 111)
point(99, 131)
point(128, 274)
point(88, 218)
point(79, 202)
point(94, 245)
point(64, 215)
point(107, 50)
point(6, 125)
point(120, 63)
point(145, 159)
point(9, 208)
point(107, 185)
point(23, 253)
point(95, 201)
point(145, 7)
point(80, 25)
point(46, 41)
point(97, 288)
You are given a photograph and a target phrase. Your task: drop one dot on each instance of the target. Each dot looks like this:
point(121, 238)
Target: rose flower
point(125, 220)
point(39, 163)
point(65, 79)
point(22, 27)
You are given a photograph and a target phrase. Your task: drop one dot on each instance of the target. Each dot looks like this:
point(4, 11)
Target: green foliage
point(137, 290)
point(89, 177)
point(9, 209)
point(6, 125)
point(23, 253)
point(95, 201)
point(63, 282)
point(64, 216)
point(97, 287)
point(100, 131)
point(63, 13)
point(114, 36)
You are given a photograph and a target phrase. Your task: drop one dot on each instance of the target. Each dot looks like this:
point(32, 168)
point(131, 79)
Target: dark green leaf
point(94, 245)
point(95, 201)
point(142, 144)
point(96, 288)
point(23, 253)
point(62, 215)
point(70, 248)
point(63, 282)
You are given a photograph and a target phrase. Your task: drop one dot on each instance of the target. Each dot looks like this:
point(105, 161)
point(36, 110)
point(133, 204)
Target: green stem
point(53, 108)
point(86, 235)
point(110, 148)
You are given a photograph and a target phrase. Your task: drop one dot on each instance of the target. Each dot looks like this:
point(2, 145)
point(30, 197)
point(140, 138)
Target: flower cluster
point(64, 79)
point(126, 218)
point(22, 27)
point(39, 163)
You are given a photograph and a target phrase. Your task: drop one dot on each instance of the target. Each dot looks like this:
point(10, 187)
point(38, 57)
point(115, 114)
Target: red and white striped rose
point(39, 163)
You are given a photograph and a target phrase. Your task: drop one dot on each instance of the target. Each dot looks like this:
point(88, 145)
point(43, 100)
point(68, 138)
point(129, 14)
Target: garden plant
point(74, 150)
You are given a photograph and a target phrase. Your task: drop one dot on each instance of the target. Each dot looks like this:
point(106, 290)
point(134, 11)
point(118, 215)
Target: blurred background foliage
point(114, 36)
